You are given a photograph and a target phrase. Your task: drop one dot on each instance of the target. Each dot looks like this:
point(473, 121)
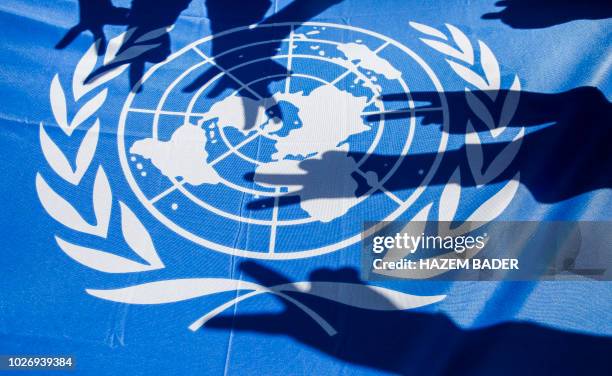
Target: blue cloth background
point(480, 328)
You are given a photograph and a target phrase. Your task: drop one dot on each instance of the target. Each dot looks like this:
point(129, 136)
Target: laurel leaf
point(99, 260)
point(479, 109)
point(416, 226)
point(83, 69)
point(89, 108)
point(510, 103)
point(56, 158)
point(504, 158)
point(154, 34)
point(468, 75)
point(174, 290)
point(494, 206)
point(360, 296)
point(449, 202)
point(58, 105)
point(211, 314)
point(134, 52)
point(488, 211)
point(102, 202)
point(490, 66)
point(315, 316)
point(443, 48)
point(86, 151)
point(427, 30)
point(474, 153)
point(463, 43)
point(114, 45)
point(60, 210)
point(217, 310)
point(137, 237)
point(449, 199)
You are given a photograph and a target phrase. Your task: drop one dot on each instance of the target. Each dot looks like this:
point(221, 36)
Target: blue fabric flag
point(186, 183)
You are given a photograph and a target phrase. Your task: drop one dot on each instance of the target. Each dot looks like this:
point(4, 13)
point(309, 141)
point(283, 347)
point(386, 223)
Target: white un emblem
point(276, 141)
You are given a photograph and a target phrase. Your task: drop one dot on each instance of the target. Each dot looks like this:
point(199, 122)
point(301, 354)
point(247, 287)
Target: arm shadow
point(408, 342)
point(536, 14)
point(564, 152)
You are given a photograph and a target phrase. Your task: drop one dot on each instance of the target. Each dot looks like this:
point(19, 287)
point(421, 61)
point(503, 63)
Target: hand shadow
point(144, 17)
point(408, 342)
point(535, 14)
point(223, 17)
point(93, 15)
point(566, 154)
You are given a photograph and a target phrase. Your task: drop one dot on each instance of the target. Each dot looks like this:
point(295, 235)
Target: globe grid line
point(349, 68)
point(162, 100)
point(289, 61)
point(274, 224)
point(364, 113)
point(226, 71)
point(353, 67)
point(276, 57)
point(165, 193)
point(139, 241)
point(346, 73)
point(275, 208)
point(289, 254)
point(209, 59)
point(264, 134)
point(234, 148)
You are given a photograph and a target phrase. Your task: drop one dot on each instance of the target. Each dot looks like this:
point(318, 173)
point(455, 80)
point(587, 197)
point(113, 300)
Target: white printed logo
point(289, 174)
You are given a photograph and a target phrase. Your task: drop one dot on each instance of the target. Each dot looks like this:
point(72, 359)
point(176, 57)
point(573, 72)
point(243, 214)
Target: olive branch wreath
point(461, 58)
point(138, 238)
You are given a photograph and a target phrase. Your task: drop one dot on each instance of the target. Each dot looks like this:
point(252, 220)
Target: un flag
point(196, 187)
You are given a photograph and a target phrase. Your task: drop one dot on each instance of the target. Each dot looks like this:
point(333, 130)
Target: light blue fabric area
point(43, 304)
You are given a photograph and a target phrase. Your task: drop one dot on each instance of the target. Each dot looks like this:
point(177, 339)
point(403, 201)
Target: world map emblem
point(284, 154)
point(275, 141)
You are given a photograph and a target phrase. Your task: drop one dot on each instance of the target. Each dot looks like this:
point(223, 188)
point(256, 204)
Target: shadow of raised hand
point(223, 17)
point(93, 15)
point(530, 14)
point(407, 342)
point(147, 39)
point(563, 153)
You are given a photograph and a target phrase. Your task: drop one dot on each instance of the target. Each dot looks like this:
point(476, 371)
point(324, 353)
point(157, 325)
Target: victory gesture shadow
point(564, 152)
